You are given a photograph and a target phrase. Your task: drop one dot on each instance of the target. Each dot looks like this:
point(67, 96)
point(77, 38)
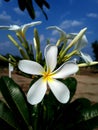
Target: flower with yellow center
point(48, 79)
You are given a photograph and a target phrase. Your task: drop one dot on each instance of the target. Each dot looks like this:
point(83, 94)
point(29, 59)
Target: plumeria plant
point(48, 104)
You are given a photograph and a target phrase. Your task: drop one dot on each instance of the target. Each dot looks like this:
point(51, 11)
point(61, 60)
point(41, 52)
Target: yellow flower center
point(47, 76)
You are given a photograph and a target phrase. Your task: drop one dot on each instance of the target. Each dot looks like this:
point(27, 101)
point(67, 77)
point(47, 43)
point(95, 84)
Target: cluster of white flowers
point(49, 75)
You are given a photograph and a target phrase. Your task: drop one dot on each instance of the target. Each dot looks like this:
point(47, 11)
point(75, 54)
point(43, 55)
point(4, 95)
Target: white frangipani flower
point(79, 46)
point(81, 43)
point(22, 28)
point(49, 76)
point(87, 58)
point(62, 33)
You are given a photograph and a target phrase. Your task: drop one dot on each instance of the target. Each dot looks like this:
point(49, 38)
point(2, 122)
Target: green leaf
point(78, 115)
point(30, 9)
point(22, 4)
point(71, 83)
point(42, 3)
point(7, 118)
point(85, 115)
point(91, 116)
point(73, 114)
point(16, 99)
point(70, 115)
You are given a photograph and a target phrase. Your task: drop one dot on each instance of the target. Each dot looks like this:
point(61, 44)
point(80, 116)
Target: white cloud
point(18, 11)
point(4, 17)
point(8, 47)
point(97, 1)
point(42, 38)
point(54, 32)
point(70, 23)
point(37, 13)
point(67, 24)
point(17, 22)
point(75, 23)
point(0, 3)
point(63, 16)
point(71, 1)
point(53, 40)
point(92, 15)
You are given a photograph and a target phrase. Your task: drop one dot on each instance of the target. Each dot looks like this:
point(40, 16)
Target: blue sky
point(70, 15)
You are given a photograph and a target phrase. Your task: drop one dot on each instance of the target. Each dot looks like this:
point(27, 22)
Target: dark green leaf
point(91, 116)
point(7, 0)
point(70, 114)
point(22, 4)
point(30, 9)
point(28, 5)
point(78, 115)
point(74, 113)
point(15, 98)
point(71, 83)
point(87, 113)
point(46, 4)
point(7, 117)
point(40, 3)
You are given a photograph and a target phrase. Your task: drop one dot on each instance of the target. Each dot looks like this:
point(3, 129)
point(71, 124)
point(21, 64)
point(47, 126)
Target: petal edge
point(65, 70)
point(36, 92)
point(51, 57)
point(30, 67)
point(60, 91)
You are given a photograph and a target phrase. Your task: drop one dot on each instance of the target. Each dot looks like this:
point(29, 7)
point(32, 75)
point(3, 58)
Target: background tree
point(95, 49)
point(29, 6)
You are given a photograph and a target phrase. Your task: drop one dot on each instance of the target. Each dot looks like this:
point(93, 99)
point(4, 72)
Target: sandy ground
point(87, 83)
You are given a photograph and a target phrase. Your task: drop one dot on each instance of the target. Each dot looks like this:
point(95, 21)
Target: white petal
point(14, 28)
point(65, 70)
point(11, 67)
point(51, 57)
point(37, 92)
point(63, 34)
point(30, 67)
point(60, 91)
point(86, 57)
point(5, 27)
point(81, 43)
point(26, 26)
point(11, 27)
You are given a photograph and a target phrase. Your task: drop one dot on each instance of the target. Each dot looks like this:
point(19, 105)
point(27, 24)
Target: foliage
point(4, 63)
point(28, 5)
point(17, 114)
point(95, 49)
